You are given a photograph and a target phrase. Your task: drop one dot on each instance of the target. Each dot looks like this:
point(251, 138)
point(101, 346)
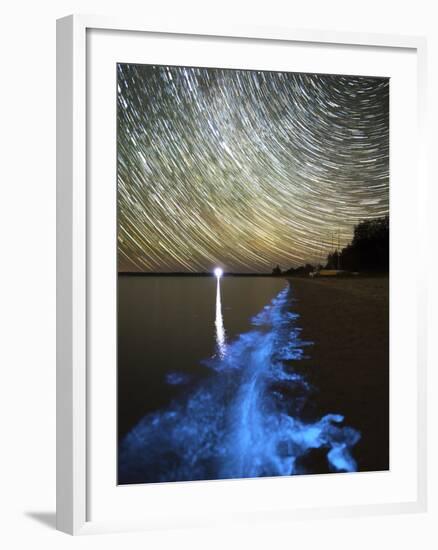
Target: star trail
point(245, 169)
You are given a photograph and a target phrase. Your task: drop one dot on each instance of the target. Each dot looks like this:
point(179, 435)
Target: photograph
point(253, 221)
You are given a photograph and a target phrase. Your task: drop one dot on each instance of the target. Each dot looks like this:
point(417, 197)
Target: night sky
point(245, 169)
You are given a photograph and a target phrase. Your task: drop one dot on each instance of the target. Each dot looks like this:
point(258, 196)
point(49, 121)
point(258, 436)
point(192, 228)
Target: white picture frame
point(73, 277)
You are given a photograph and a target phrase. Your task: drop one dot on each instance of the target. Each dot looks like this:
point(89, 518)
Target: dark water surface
point(167, 324)
point(209, 385)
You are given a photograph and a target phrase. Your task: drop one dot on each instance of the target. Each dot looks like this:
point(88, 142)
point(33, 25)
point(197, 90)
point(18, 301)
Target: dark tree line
point(302, 270)
point(368, 251)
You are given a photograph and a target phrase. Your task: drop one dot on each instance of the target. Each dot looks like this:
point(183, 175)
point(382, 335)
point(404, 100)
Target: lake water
point(208, 386)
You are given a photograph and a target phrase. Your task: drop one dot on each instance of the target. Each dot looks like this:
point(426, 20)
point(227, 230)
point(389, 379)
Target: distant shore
point(348, 321)
point(187, 274)
point(233, 274)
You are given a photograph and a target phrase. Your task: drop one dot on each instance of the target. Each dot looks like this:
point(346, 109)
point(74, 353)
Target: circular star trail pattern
point(245, 169)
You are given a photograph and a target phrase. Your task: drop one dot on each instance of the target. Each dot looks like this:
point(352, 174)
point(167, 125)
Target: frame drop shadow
point(45, 518)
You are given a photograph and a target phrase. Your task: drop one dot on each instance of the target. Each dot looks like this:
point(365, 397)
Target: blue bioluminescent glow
point(245, 419)
point(177, 378)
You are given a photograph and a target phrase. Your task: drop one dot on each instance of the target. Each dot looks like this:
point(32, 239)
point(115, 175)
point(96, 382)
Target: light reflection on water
point(221, 345)
point(244, 420)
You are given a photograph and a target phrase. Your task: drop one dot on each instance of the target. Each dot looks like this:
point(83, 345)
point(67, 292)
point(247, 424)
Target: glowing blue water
point(244, 420)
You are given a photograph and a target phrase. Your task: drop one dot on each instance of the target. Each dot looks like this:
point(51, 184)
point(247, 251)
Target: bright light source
point(218, 272)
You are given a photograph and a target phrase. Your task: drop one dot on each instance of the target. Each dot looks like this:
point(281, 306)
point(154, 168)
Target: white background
point(27, 304)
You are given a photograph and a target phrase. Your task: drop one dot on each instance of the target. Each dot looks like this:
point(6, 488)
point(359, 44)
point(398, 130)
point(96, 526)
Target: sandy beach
point(348, 321)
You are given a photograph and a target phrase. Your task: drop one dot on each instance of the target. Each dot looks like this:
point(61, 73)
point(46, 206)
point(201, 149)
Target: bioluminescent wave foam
point(244, 420)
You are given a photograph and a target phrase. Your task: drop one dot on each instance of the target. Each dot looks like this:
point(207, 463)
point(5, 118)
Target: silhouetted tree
point(302, 270)
point(276, 270)
point(333, 260)
point(369, 248)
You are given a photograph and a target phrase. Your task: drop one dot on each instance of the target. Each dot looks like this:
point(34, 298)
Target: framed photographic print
point(238, 334)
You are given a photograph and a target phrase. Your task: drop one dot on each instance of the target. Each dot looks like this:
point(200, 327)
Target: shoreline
point(347, 319)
